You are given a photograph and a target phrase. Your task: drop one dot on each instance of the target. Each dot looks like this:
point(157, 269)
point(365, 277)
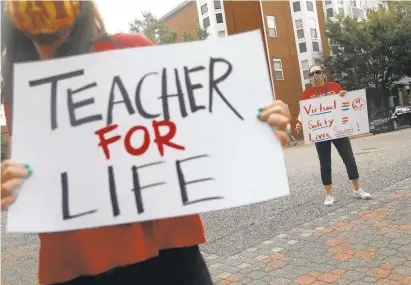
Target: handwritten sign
point(141, 134)
point(332, 117)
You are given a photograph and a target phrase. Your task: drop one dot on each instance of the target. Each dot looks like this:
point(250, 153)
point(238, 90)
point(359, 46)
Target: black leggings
point(182, 266)
point(343, 146)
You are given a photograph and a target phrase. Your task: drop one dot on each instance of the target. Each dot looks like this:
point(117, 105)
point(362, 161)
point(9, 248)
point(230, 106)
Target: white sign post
point(141, 134)
point(331, 117)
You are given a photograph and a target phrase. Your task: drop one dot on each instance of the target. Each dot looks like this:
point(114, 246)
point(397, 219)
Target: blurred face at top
point(317, 76)
point(44, 22)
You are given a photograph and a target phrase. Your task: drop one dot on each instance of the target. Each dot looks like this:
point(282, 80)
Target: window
point(304, 64)
point(272, 27)
point(330, 12)
point(296, 6)
point(312, 23)
point(317, 61)
point(310, 6)
point(300, 29)
point(305, 67)
point(303, 47)
point(219, 18)
point(217, 5)
point(357, 12)
point(306, 75)
point(314, 34)
point(278, 69)
point(316, 46)
point(221, 34)
point(206, 22)
point(204, 9)
point(328, 2)
point(340, 2)
point(354, 3)
point(341, 11)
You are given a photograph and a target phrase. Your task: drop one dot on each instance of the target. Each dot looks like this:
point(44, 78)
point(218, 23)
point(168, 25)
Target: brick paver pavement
point(367, 242)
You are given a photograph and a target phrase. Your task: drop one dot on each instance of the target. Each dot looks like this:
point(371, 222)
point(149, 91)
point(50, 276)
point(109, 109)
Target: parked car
point(390, 119)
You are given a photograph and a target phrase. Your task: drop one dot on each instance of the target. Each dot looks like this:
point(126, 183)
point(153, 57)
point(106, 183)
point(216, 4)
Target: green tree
point(155, 30)
point(202, 34)
point(188, 37)
point(373, 52)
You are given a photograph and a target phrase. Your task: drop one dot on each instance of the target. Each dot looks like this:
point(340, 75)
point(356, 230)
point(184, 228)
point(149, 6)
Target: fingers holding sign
point(278, 117)
point(12, 175)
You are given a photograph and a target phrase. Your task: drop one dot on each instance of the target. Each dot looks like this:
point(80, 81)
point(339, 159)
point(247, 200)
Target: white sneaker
point(360, 193)
point(329, 200)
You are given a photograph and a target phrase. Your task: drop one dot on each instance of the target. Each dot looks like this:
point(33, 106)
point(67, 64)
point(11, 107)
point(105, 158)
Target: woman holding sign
point(154, 252)
point(320, 87)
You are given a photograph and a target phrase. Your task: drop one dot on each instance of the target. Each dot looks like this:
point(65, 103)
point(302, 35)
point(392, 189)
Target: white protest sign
point(331, 117)
point(146, 133)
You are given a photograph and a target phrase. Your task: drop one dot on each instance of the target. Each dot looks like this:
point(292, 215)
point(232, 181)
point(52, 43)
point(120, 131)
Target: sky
point(118, 13)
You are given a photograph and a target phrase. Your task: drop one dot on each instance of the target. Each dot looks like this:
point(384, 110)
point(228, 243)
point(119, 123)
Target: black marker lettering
point(214, 82)
point(164, 96)
point(126, 99)
point(191, 87)
point(183, 184)
point(113, 192)
point(65, 200)
point(73, 106)
point(137, 187)
point(53, 80)
point(139, 105)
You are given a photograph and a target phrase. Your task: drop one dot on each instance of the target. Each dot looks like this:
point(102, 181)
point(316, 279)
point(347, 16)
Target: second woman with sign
point(320, 87)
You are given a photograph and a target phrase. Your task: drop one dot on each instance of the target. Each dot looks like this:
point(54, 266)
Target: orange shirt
point(67, 255)
point(311, 92)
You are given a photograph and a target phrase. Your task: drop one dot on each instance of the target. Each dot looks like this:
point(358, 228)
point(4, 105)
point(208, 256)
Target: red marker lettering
point(160, 140)
point(105, 142)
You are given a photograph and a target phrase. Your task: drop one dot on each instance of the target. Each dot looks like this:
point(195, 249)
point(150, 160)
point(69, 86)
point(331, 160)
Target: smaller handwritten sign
point(332, 117)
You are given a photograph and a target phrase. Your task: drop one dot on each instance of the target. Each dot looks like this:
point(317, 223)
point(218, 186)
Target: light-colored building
point(353, 8)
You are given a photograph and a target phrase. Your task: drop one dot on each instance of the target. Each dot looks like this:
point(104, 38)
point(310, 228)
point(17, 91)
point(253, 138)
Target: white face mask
point(317, 78)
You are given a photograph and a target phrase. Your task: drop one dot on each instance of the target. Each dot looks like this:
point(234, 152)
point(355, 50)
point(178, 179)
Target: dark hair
point(16, 47)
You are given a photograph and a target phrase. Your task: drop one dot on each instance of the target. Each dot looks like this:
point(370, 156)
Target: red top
point(313, 92)
point(68, 255)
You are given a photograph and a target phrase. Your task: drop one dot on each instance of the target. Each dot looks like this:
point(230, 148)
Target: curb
point(301, 143)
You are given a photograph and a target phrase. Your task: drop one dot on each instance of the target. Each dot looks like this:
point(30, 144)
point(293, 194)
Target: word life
point(136, 188)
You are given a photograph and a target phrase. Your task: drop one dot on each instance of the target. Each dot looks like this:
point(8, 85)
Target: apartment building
point(293, 32)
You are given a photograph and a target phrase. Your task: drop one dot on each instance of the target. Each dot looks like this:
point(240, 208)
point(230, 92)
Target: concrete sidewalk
point(366, 242)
